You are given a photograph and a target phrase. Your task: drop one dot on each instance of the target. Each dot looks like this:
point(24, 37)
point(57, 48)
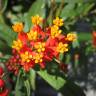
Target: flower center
point(32, 35)
point(40, 47)
point(17, 45)
point(26, 57)
point(62, 47)
point(55, 32)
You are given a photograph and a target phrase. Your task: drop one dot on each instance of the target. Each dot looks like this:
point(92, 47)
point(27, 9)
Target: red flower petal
point(27, 66)
point(42, 65)
point(62, 38)
point(25, 48)
point(39, 30)
point(23, 37)
point(49, 54)
point(4, 93)
point(52, 42)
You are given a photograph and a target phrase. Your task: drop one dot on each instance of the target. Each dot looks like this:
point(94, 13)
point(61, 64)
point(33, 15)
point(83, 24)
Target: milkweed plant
point(37, 48)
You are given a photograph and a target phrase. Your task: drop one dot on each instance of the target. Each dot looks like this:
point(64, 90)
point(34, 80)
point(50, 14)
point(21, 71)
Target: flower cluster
point(13, 64)
point(39, 45)
point(3, 90)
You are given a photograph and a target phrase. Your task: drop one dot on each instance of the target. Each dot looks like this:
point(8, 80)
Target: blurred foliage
point(71, 11)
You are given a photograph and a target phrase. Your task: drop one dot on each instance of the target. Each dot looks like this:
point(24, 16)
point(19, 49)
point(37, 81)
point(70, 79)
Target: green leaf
point(3, 5)
point(4, 48)
point(32, 79)
point(68, 11)
point(2, 45)
point(4, 58)
point(68, 58)
point(19, 85)
point(19, 93)
point(61, 56)
point(6, 32)
point(17, 8)
point(83, 8)
point(88, 7)
point(84, 36)
point(71, 11)
point(37, 8)
point(61, 84)
point(27, 85)
point(17, 88)
point(55, 82)
point(70, 1)
point(75, 44)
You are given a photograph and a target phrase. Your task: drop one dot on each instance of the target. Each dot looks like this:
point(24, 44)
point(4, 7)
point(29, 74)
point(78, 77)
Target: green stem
point(60, 8)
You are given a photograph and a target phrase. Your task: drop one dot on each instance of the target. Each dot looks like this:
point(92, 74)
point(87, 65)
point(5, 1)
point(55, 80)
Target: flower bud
point(64, 67)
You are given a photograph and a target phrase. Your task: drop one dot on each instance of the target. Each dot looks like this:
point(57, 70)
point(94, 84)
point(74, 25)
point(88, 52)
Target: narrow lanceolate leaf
point(55, 82)
point(17, 88)
point(70, 1)
point(83, 8)
point(27, 85)
point(19, 85)
point(87, 8)
point(32, 79)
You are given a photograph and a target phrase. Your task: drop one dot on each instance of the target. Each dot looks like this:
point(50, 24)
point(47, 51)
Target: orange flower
point(38, 57)
point(26, 57)
point(55, 32)
point(32, 35)
point(71, 36)
point(17, 45)
point(40, 47)
point(58, 21)
point(62, 47)
point(18, 27)
point(36, 19)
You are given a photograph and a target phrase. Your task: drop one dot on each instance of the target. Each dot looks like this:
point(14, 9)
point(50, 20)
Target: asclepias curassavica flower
point(38, 46)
